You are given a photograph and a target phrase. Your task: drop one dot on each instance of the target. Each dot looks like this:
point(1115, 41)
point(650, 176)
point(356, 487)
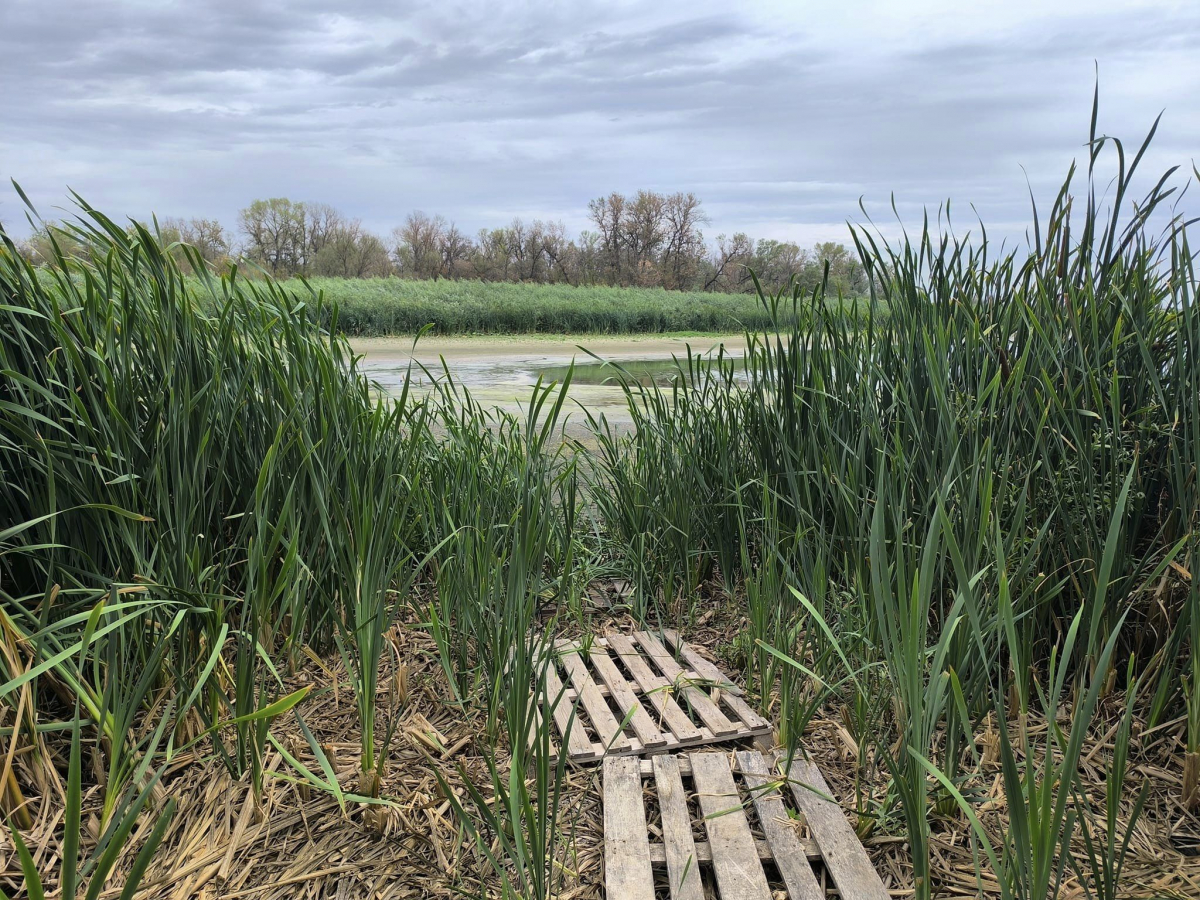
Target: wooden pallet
point(627, 695)
point(718, 825)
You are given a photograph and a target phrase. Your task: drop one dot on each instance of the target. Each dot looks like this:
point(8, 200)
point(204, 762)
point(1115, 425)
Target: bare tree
point(417, 245)
point(527, 246)
point(642, 235)
point(608, 214)
point(321, 223)
point(491, 259)
point(684, 248)
point(559, 253)
point(728, 265)
point(647, 239)
point(536, 254)
point(588, 264)
point(207, 236)
point(454, 248)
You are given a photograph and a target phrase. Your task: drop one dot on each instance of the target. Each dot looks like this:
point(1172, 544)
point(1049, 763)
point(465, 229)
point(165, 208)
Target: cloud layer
point(780, 118)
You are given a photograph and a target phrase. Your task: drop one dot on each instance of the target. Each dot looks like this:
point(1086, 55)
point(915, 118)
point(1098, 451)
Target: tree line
point(648, 239)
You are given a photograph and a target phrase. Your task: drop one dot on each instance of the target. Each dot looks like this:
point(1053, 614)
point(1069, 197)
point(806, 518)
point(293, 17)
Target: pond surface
point(501, 371)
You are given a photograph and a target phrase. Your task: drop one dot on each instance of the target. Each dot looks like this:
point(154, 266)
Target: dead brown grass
point(297, 843)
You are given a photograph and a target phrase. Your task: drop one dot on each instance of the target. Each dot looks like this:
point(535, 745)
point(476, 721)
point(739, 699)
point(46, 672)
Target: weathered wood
point(627, 701)
point(785, 846)
point(725, 785)
point(743, 711)
point(605, 724)
point(658, 852)
point(627, 871)
point(578, 743)
point(683, 865)
point(840, 847)
point(699, 664)
point(656, 688)
point(629, 693)
point(681, 760)
point(703, 704)
point(735, 858)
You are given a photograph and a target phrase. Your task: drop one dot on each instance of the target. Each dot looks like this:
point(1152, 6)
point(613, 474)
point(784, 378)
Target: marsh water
point(500, 371)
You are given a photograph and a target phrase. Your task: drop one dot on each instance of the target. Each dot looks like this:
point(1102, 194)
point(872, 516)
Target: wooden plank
point(735, 702)
point(785, 846)
point(840, 847)
point(709, 671)
point(735, 858)
point(746, 713)
point(703, 704)
point(604, 723)
point(683, 866)
point(627, 872)
point(654, 687)
point(578, 743)
point(658, 852)
point(637, 706)
point(698, 664)
point(627, 701)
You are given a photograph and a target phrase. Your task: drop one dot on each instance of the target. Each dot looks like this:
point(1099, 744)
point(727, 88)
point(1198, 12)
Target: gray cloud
point(779, 119)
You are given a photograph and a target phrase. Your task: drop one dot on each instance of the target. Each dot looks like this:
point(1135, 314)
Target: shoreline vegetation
point(647, 240)
point(263, 626)
point(395, 306)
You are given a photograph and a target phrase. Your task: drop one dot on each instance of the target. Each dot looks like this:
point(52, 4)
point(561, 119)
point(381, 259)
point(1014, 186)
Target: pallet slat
point(702, 666)
point(658, 851)
point(785, 846)
point(604, 722)
point(735, 858)
point(656, 688)
point(620, 690)
point(578, 743)
point(679, 848)
point(840, 847)
point(701, 702)
point(627, 871)
point(630, 697)
point(743, 858)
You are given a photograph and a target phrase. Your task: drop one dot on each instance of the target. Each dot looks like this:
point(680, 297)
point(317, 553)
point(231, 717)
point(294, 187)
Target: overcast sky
point(778, 115)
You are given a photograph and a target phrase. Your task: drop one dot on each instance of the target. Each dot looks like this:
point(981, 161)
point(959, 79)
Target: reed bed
point(949, 543)
point(385, 306)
